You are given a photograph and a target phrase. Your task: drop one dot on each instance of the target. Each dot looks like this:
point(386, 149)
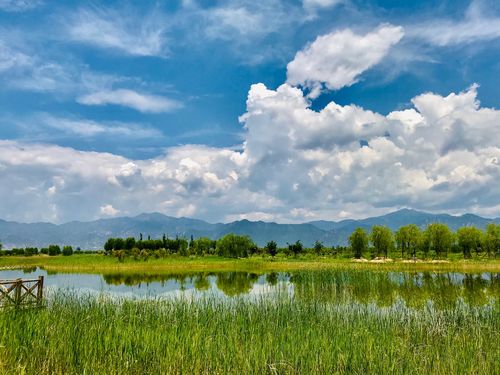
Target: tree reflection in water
point(382, 288)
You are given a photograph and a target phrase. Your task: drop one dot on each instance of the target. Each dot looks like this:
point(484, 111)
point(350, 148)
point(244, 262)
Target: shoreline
point(90, 263)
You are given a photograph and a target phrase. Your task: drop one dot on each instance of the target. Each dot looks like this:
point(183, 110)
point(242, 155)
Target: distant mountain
point(93, 234)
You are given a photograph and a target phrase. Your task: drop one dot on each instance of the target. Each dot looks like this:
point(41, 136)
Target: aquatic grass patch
point(280, 335)
point(98, 263)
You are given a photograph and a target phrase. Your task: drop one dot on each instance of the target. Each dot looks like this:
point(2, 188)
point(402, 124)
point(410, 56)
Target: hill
point(93, 234)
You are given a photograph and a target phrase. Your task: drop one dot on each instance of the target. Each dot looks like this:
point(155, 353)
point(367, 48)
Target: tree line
point(409, 241)
point(436, 240)
point(51, 250)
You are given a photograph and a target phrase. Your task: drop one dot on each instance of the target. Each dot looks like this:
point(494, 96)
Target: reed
point(85, 335)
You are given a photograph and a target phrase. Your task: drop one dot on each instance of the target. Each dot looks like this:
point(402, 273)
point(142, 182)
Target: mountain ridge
point(92, 234)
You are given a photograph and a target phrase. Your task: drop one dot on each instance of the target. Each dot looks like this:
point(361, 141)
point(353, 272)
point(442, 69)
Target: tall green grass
point(98, 263)
point(88, 335)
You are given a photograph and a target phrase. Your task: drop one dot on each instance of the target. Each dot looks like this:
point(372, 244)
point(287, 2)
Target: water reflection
point(385, 288)
point(381, 288)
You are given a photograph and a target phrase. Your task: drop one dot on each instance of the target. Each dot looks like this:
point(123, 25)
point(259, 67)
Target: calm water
point(417, 289)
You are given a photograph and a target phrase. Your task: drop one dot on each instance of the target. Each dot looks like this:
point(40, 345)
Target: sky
point(277, 110)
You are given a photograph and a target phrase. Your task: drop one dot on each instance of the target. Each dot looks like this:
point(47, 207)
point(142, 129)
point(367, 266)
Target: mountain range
point(91, 235)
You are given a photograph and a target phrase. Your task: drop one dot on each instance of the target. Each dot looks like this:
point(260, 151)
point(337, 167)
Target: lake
point(381, 288)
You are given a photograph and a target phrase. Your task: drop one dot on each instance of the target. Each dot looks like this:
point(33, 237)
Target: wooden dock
point(21, 292)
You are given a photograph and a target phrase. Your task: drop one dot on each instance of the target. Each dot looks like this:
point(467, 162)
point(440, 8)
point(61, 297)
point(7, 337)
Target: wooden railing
point(20, 293)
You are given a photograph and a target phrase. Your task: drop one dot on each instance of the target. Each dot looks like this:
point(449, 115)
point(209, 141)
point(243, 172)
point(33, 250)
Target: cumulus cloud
point(296, 164)
point(337, 59)
point(105, 28)
point(129, 98)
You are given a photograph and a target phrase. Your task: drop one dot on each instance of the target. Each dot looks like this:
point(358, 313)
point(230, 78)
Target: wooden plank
point(4, 282)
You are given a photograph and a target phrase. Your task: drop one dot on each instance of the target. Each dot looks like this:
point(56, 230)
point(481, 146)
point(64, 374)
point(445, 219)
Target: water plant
point(76, 334)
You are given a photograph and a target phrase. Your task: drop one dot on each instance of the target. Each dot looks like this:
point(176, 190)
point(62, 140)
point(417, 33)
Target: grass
point(90, 263)
point(96, 335)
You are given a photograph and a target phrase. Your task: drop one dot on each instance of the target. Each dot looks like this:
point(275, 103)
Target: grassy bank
point(89, 263)
point(282, 336)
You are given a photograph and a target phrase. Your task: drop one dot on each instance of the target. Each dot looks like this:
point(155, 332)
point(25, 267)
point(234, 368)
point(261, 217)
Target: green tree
point(382, 239)
point(118, 244)
point(67, 251)
point(202, 246)
point(129, 243)
point(234, 246)
point(358, 240)
point(491, 239)
point(271, 248)
point(108, 246)
point(408, 239)
point(469, 240)
point(182, 246)
point(296, 248)
point(54, 250)
point(318, 247)
point(438, 237)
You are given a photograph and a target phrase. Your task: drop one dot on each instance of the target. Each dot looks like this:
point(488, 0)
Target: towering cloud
point(296, 164)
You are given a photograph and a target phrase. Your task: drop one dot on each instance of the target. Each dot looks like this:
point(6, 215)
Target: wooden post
point(39, 294)
point(17, 292)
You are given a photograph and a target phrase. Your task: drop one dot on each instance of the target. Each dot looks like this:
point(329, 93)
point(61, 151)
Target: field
point(97, 263)
point(343, 317)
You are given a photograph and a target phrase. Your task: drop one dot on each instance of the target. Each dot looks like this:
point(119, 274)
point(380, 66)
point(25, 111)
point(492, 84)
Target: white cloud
point(313, 6)
point(109, 210)
point(128, 32)
point(296, 164)
point(337, 59)
point(23, 70)
point(242, 21)
point(320, 3)
point(251, 31)
point(10, 58)
point(75, 126)
point(477, 25)
point(129, 98)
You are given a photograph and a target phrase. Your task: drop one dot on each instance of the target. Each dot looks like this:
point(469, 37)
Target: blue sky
point(145, 84)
